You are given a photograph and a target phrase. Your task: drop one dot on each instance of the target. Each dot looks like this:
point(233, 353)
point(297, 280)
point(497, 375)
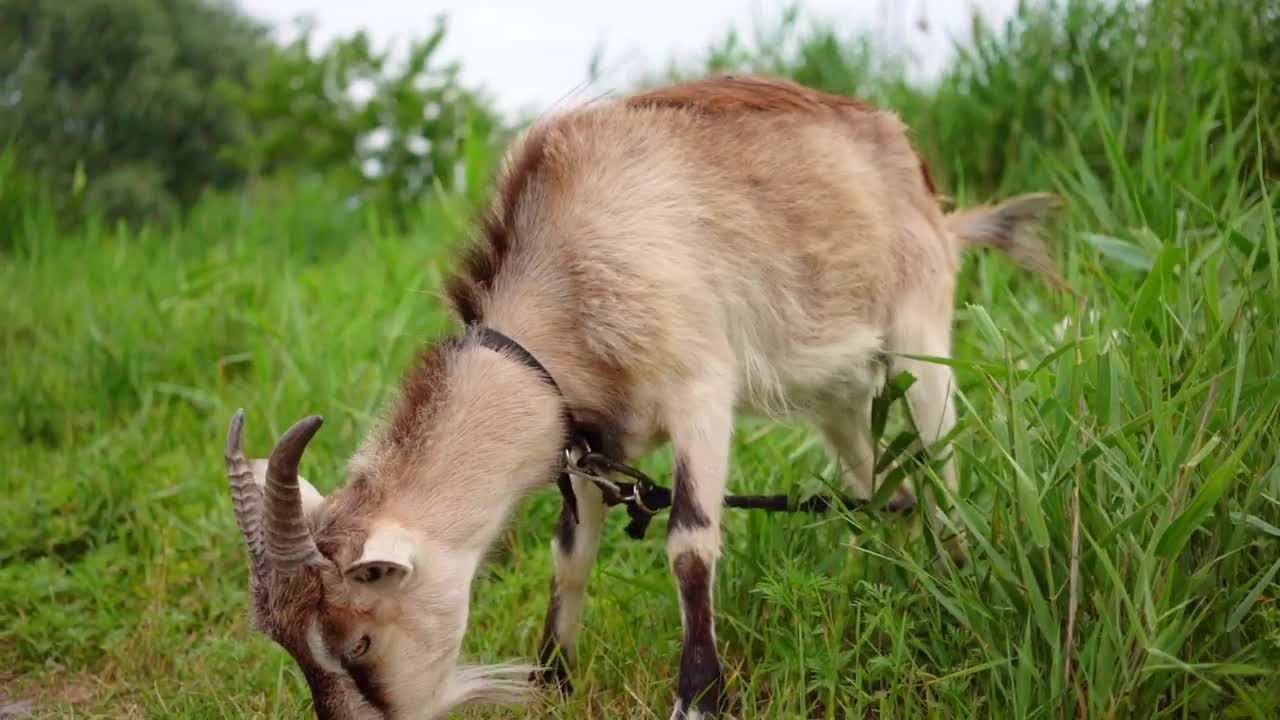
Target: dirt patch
point(22, 698)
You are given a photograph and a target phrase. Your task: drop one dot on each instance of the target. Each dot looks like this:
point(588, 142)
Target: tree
point(119, 93)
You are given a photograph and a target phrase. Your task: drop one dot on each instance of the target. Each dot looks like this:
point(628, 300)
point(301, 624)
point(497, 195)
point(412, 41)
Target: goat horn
point(246, 498)
point(289, 541)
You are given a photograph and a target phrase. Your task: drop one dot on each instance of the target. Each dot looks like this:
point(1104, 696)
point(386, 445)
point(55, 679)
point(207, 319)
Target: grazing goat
point(651, 267)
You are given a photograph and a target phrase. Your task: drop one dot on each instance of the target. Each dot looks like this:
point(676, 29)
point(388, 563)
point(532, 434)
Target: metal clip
point(636, 494)
point(578, 464)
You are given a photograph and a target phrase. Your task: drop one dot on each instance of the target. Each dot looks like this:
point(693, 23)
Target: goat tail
point(1013, 227)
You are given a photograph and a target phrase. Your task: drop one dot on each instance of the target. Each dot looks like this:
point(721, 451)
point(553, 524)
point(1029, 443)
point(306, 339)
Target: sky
point(531, 54)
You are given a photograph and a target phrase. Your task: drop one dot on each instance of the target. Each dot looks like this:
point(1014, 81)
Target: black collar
point(573, 432)
point(494, 340)
point(581, 435)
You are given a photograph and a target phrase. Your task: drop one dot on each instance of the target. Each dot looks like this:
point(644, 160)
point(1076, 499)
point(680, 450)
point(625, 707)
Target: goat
point(650, 268)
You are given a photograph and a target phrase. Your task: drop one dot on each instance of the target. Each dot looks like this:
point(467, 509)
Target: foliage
point(24, 201)
point(1033, 86)
point(119, 90)
point(132, 109)
point(382, 132)
point(1119, 451)
point(1012, 94)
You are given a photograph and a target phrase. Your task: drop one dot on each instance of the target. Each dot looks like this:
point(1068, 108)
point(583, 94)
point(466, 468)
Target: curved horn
point(289, 541)
point(246, 498)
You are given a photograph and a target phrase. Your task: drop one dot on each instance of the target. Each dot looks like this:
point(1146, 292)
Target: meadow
point(1119, 449)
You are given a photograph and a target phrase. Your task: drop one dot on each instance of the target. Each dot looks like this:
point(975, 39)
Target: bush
point(1012, 93)
point(24, 202)
point(132, 108)
point(1031, 87)
point(381, 132)
point(120, 89)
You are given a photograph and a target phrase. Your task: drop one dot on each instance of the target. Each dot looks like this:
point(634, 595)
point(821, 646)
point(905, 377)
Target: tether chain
point(645, 498)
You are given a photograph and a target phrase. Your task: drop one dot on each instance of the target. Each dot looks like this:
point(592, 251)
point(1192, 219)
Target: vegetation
point(383, 131)
point(1119, 451)
point(132, 109)
point(119, 92)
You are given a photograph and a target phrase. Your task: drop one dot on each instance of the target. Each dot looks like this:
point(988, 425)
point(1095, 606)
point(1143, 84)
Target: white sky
point(530, 53)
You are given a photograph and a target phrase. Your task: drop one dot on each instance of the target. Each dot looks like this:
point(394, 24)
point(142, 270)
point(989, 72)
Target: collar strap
point(494, 340)
point(497, 341)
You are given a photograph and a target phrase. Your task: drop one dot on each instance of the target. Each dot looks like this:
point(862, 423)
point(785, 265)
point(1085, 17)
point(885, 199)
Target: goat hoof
point(709, 705)
point(958, 549)
point(681, 713)
point(557, 674)
point(903, 501)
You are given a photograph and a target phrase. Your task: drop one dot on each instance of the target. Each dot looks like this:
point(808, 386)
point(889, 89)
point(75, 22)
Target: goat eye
point(360, 648)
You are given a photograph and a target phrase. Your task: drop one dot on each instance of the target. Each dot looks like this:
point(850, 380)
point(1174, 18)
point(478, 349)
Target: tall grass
point(1118, 450)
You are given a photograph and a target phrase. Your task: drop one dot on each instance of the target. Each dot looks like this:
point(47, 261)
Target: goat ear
point(311, 498)
point(389, 556)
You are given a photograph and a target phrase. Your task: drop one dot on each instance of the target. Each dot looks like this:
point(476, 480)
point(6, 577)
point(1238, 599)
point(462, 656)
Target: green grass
point(1119, 453)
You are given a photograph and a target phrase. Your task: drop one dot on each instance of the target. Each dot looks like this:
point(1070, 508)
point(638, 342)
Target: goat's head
point(372, 613)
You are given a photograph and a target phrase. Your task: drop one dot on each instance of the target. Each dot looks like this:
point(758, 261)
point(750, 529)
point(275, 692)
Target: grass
point(1118, 452)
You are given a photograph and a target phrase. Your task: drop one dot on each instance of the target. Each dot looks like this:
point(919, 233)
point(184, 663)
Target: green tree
point(118, 93)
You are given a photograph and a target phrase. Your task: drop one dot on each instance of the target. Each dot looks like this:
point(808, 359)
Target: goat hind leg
point(933, 410)
point(847, 430)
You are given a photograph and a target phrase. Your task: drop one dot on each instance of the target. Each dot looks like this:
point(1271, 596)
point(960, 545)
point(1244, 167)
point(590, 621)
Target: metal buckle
point(574, 456)
point(635, 500)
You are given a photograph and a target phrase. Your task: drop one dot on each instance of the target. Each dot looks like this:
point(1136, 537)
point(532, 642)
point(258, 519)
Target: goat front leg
point(573, 552)
point(700, 436)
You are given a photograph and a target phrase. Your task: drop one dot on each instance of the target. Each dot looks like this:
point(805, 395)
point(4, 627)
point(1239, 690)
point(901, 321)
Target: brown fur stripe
point(700, 683)
point(419, 387)
point(731, 93)
point(928, 177)
point(484, 259)
point(686, 514)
